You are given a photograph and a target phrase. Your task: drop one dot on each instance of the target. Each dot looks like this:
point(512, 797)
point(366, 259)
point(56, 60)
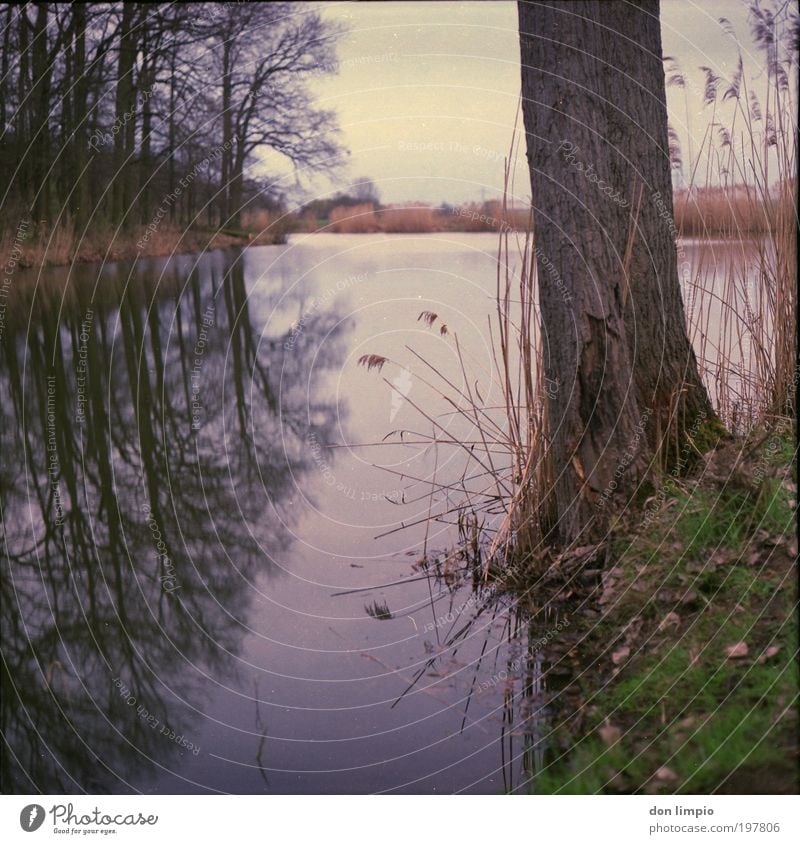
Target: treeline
point(135, 115)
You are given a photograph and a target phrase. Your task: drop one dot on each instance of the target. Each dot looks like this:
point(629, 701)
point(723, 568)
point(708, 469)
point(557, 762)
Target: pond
point(221, 575)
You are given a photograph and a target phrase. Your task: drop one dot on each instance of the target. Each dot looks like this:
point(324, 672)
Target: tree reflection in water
point(147, 463)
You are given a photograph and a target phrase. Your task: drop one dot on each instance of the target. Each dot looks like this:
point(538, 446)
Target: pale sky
point(427, 92)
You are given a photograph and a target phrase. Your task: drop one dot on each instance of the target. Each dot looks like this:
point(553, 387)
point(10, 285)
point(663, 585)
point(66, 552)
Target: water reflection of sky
point(177, 624)
point(208, 588)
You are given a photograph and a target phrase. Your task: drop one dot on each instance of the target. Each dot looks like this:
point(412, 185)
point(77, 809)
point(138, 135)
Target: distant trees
point(365, 190)
point(111, 111)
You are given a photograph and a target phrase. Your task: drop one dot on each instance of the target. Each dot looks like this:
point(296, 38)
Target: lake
point(222, 576)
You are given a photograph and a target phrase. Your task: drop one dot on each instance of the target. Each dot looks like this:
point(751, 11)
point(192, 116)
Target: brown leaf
point(671, 619)
point(621, 655)
point(737, 651)
point(609, 733)
point(769, 653)
point(664, 774)
point(615, 780)
point(689, 597)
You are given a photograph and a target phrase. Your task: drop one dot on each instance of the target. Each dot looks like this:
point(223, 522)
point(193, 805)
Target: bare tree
point(364, 190)
point(108, 108)
point(264, 56)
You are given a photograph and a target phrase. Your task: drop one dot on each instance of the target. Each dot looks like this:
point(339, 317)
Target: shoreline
point(58, 250)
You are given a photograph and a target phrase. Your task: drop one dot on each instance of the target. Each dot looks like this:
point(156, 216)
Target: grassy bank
point(688, 673)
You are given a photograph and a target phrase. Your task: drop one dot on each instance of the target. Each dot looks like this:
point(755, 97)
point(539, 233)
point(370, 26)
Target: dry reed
point(741, 311)
point(354, 219)
point(743, 299)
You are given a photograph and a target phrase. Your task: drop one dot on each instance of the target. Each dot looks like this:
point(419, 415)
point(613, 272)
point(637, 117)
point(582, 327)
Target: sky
point(427, 93)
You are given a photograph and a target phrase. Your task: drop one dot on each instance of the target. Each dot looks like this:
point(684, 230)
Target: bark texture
point(595, 116)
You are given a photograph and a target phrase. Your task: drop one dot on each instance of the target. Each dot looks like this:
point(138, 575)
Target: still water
point(224, 567)
point(213, 577)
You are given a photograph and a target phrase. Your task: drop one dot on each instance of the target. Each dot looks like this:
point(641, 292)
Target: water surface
point(222, 570)
point(197, 518)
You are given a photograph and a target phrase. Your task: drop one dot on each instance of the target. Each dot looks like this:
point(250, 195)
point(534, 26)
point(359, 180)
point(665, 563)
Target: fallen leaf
point(737, 651)
point(689, 597)
point(621, 655)
point(609, 733)
point(664, 774)
point(769, 653)
point(615, 779)
point(671, 619)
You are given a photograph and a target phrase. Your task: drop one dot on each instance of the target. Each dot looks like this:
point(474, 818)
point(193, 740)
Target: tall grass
point(64, 245)
point(410, 219)
point(741, 308)
point(747, 194)
point(354, 219)
point(723, 212)
point(502, 493)
point(266, 227)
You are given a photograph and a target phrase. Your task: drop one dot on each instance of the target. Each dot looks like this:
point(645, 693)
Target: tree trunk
point(227, 132)
point(39, 149)
point(172, 145)
point(123, 103)
point(236, 188)
point(80, 114)
point(145, 164)
point(616, 346)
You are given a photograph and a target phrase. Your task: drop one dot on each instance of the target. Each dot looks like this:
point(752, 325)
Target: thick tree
point(629, 395)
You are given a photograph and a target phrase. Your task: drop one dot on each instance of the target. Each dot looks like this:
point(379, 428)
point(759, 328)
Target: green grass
point(721, 559)
point(709, 519)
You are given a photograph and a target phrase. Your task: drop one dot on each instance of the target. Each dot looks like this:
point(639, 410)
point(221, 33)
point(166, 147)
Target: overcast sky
point(427, 93)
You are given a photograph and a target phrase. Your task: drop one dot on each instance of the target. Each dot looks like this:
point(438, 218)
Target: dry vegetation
point(354, 219)
point(725, 212)
point(64, 245)
point(741, 306)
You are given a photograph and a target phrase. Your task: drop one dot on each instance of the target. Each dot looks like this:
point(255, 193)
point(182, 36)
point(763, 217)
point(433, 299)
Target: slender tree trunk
point(80, 112)
point(39, 149)
point(236, 189)
point(23, 117)
point(227, 131)
point(123, 103)
point(145, 167)
point(172, 142)
point(4, 59)
point(616, 344)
